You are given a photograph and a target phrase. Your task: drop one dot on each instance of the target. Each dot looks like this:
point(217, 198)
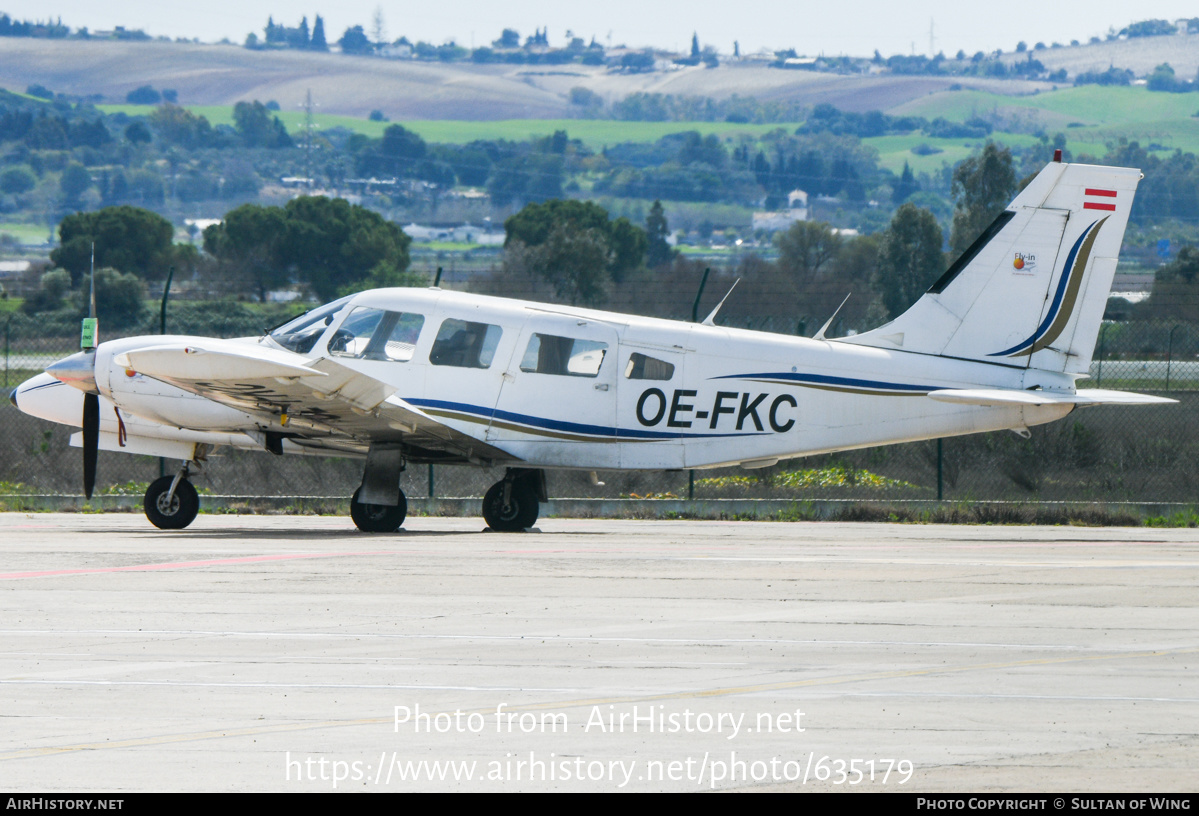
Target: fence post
point(432, 491)
point(695, 319)
point(1170, 353)
point(1099, 371)
point(940, 469)
point(7, 333)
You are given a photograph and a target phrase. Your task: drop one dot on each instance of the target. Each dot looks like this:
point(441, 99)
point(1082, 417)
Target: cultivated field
point(354, 86)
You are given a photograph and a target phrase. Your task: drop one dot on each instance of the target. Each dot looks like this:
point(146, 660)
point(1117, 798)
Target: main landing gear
point(378, 518)
point(511, 504)
point(379, 506)
point(171, 502)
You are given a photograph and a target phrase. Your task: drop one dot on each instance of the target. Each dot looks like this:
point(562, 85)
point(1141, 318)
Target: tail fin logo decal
point(1089, 202)
point(1066, 295)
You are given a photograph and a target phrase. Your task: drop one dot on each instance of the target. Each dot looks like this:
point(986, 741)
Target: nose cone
point(77, 371)
point(50, 399)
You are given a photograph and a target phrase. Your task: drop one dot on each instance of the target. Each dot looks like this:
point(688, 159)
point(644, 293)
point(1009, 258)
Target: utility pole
point(308, 127)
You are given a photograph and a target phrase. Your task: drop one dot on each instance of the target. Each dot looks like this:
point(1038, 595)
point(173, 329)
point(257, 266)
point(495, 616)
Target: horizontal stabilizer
point(1009, 396)
point(214, 360)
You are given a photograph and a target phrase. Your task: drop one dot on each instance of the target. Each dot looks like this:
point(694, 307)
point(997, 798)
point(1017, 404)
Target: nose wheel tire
point(519, 513)
point(378, 518)
point(177, 512)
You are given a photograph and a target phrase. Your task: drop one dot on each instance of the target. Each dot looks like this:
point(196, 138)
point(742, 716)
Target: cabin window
point(300, 335)
point(375, 334)
point(641, 367)
point(464, 344)
point(566, 356)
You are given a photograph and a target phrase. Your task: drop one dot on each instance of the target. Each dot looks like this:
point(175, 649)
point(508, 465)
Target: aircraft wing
point(1008, 396)
point(312, 399)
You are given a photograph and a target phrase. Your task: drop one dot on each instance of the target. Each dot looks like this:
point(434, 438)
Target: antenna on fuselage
point(820, 334)
point(709, 320)
point(437, 280)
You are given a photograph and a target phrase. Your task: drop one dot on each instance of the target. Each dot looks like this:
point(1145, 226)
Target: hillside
point(1139, 55)
point(354, 86)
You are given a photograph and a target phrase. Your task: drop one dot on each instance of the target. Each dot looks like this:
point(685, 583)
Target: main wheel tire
point(176, 514)
point(518, 514)
point(378, 518)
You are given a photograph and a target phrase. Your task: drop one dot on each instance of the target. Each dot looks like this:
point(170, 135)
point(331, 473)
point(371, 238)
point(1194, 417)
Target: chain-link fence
point(1111, 453)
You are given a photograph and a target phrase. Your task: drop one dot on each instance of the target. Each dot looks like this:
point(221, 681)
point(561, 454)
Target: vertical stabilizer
point(1032, 289)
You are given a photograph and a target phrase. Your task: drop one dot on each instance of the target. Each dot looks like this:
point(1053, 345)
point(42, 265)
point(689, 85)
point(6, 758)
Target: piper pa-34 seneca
point(404, 376)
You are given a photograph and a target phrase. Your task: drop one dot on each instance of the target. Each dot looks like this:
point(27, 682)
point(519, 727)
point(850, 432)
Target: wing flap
point(1013, 397)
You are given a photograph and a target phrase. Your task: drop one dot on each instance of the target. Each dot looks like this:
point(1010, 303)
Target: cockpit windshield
point(301, 334)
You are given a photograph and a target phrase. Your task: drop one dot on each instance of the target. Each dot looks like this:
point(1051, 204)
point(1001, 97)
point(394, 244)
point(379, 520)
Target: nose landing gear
point(171, 502)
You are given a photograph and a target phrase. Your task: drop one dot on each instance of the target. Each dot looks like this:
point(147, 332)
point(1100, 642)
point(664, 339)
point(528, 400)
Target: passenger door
point(557, 403)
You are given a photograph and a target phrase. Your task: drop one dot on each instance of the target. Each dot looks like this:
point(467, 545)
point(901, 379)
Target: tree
point(138, 133)
point(805, 247)
point(74, 182)
point(983, 186)
point(1163, 79)
point(120, 298)
point(527, 177)
point(181, 127)
point(334, 245)
point(318, 35)
point(575, 246)
point(658, 251)
point(906, 186)
point(257, 128)
point(909, 259)
point(694, 46)
point(145, 95)
point(128, 239)
point(327, 243)
point(1175, 291)
point(17, 179)
point(248, 243)
point(576, 262)
point(396, 154)
point(55, 285)
point(354, 41)
point(378, 27)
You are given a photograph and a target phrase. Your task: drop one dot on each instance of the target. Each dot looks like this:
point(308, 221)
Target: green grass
point(26, 233)
point(1105, 114)
point(893, 151)
point(595, 133)
point(449, 246)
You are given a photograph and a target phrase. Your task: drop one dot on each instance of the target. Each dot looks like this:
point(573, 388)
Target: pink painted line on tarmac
point(249, 559)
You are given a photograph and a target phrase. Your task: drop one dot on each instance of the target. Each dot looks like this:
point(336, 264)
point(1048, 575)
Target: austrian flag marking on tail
point(1097, 199)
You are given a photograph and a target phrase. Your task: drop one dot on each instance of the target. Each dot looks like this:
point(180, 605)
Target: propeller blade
point(91, 401)
point(91, 441)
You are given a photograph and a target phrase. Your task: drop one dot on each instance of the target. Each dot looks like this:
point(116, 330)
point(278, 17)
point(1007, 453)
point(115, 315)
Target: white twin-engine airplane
point(403, 376)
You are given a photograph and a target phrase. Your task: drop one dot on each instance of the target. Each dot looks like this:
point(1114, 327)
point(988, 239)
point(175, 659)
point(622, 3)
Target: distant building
point(396, 51)
point(797, 210)
point(462, 233)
